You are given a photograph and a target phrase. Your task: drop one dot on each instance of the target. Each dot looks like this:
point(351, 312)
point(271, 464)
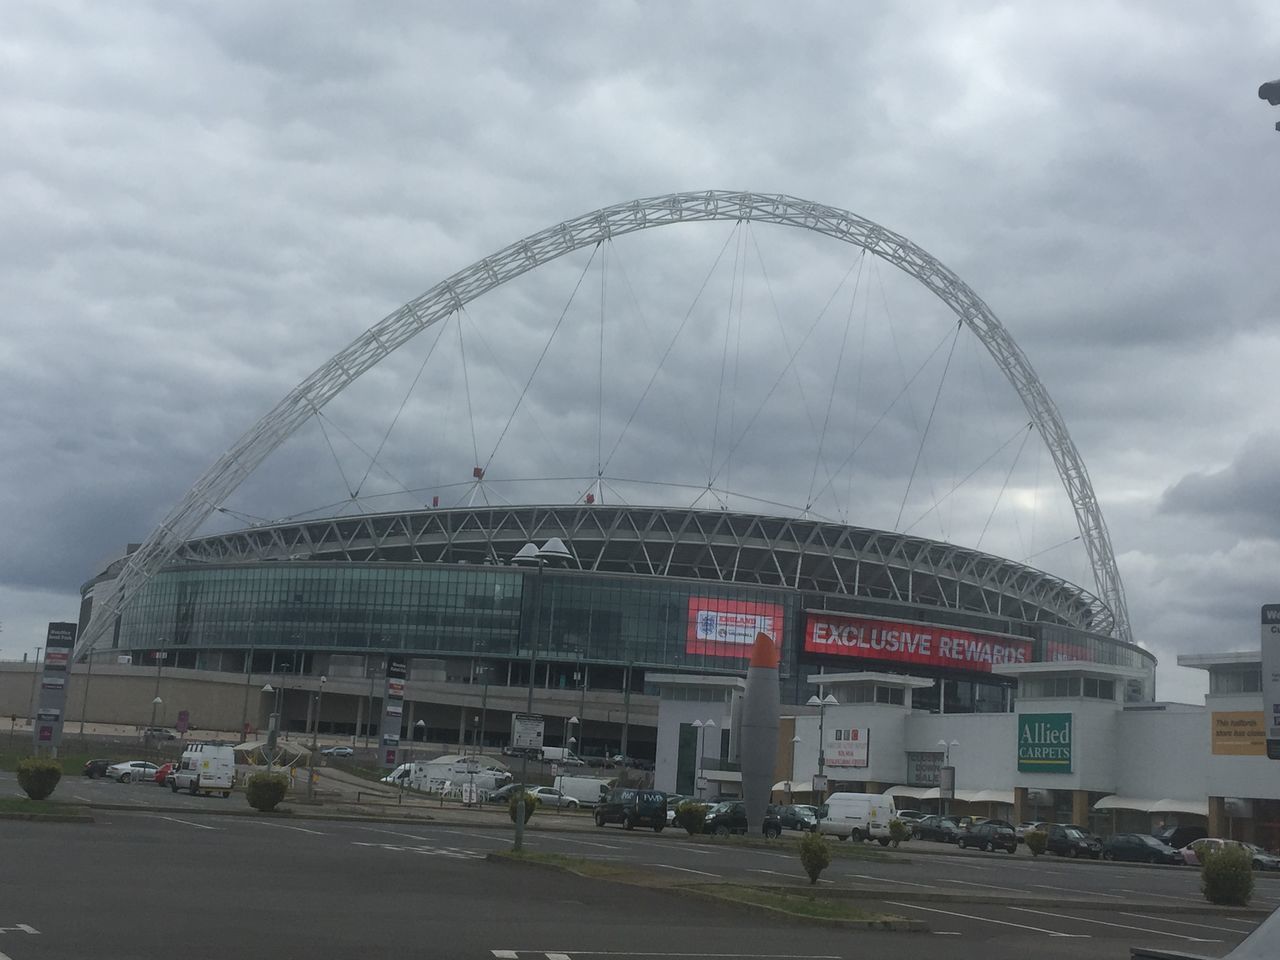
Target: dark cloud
point(203, 204)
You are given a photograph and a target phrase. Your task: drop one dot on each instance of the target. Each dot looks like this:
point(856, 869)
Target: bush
point(38, 776)
point(815, 855)
point(898, 832)
point(264, 791)
point(691, 815)
point(530, 804)
point(1226, 876)
point(1036, 841)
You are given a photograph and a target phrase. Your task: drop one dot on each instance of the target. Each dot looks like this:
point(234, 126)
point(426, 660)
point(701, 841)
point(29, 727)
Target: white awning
point(993, 796)
point(1116, 802)
point(795, 786)
point(1199, 808)
point(915, 793)
point(723, 776)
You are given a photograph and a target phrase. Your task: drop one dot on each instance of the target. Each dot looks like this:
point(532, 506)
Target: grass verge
point(24, 807)
point(798, 905)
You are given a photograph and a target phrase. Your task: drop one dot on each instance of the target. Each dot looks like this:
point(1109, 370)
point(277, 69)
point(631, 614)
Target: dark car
point(633, 808)
point(990, 835)
point(96, 768)
point(796, 816)
point(1071, 841)
point(731, 817)
point(504, 793)
point(1139, 848)
point(933, 827)
point(1179, 837)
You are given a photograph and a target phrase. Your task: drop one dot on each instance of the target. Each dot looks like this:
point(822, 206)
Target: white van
point(206, 768)
point(588, 791)
point(563, 756)
point(857, 816)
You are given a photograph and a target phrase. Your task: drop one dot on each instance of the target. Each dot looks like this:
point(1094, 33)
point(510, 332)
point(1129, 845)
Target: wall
point(1159, 751)
point(887, 753)
point(673, 713)
point(1239, 776)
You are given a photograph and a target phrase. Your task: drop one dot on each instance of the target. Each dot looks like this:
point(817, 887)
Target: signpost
point(393, 710)
point(51, 706)
point(527, 730)
point(1271, 676)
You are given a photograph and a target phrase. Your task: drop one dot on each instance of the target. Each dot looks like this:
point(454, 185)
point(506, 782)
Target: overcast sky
point(204, 202)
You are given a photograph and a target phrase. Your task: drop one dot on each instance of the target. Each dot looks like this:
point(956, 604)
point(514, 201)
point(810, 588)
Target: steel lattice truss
point(712, 545)
point(451, 294)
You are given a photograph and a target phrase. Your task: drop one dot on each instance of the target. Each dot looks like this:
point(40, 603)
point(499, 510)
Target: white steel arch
point(393, 331)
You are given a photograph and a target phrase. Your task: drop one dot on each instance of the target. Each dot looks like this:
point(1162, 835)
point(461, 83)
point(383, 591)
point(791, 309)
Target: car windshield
point(1074, 834)
point(720, 808)
point(1150, 841)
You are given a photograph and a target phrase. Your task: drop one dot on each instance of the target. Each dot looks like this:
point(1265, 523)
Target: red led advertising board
point(727, 628)
point(905, 642)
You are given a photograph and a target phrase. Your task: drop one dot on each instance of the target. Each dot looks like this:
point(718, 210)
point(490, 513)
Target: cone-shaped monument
point(759, 750)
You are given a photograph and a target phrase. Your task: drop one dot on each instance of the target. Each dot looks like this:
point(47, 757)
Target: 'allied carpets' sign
point(1044, 743)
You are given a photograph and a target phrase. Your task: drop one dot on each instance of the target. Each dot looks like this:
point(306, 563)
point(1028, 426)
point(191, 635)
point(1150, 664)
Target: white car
point(338, 752)
point(551, 797)
point(132, 771)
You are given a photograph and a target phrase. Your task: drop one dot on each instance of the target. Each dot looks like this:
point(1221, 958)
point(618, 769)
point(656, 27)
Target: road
point(161, 884)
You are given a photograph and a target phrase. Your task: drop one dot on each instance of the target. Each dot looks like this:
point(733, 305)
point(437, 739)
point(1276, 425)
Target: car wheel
point(628, 823)
point(174, 786)
point(124, 778)
point(884, 842)
point(856, 836)
point(987, 847)
point(1257, 864)
point(1108, 855)
point(226, 794)
point(722, 831)
point(1072, 852)
point(195, 786)
point(771, 831)
point(657, 828)
point(599, 819)
point(963, 845)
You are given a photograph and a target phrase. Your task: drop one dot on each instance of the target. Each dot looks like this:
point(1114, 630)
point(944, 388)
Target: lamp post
point(571, 722)
point(946, 764)
point(531, 553)
point(792, 781)
point(420, 733)
point(701, 726)
point(315, 733)
point(273, 724)
point(822, 704)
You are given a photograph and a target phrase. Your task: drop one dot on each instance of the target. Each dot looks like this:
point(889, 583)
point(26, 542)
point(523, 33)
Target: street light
point(822, 704)
point(946, 764)
point(315, 733)
point(272, 725)
point(553, 549)
point(571, 722)
point(701, 726)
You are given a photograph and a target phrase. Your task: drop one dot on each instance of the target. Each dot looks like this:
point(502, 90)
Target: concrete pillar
point(359, 719)
point(1080, 808)
point(1217, 817)
point(462, 726)
point(1019, 804)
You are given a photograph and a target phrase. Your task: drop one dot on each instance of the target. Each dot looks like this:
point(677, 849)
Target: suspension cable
point(1003, 487)
point(924, 436)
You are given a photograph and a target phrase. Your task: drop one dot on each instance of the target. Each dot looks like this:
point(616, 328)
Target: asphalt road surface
point(194, 885)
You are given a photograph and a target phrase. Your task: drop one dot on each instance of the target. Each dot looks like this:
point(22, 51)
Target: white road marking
point(1086, 893)
point(1162, 896)
point(514, 955)
point(789, 876)
point(189, 823)
point(905, 883)
point(585, 843)
point(1108, 923)
point(1003, 923)
point(946, 933)
point(396, 833)
point(81, 799)
point(984, 886)
point(19, 928)
point(505, 955)
point(1181, 923)
point(286, 826)
point(558, 956)
point(669, 866)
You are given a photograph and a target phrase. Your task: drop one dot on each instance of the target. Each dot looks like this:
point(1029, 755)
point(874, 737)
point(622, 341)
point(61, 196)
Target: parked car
point(132, 771)
point(1071, 841)
point(338, 752)
point(796, 816)
point(910, 816)
point(674, 800)
point(1179, 837)
point(633, 808)
point(1139, 848)
point(504, 793)
point(858, 817)
point(1029, 826)
point(95, 768)
point(1193, 853)
point(158, 733)
point(551, 797)
point(933, 827)
point(730, 816)
point(990, 836)
point(966, 822)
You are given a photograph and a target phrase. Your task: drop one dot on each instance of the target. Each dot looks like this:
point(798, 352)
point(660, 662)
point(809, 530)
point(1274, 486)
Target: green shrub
point(691, 815)
point(1226, 876)
point(815, 855)
point(898, 832)
point(264, 791)
point(37, 776)
point(530, 804)
point(1036, 841)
